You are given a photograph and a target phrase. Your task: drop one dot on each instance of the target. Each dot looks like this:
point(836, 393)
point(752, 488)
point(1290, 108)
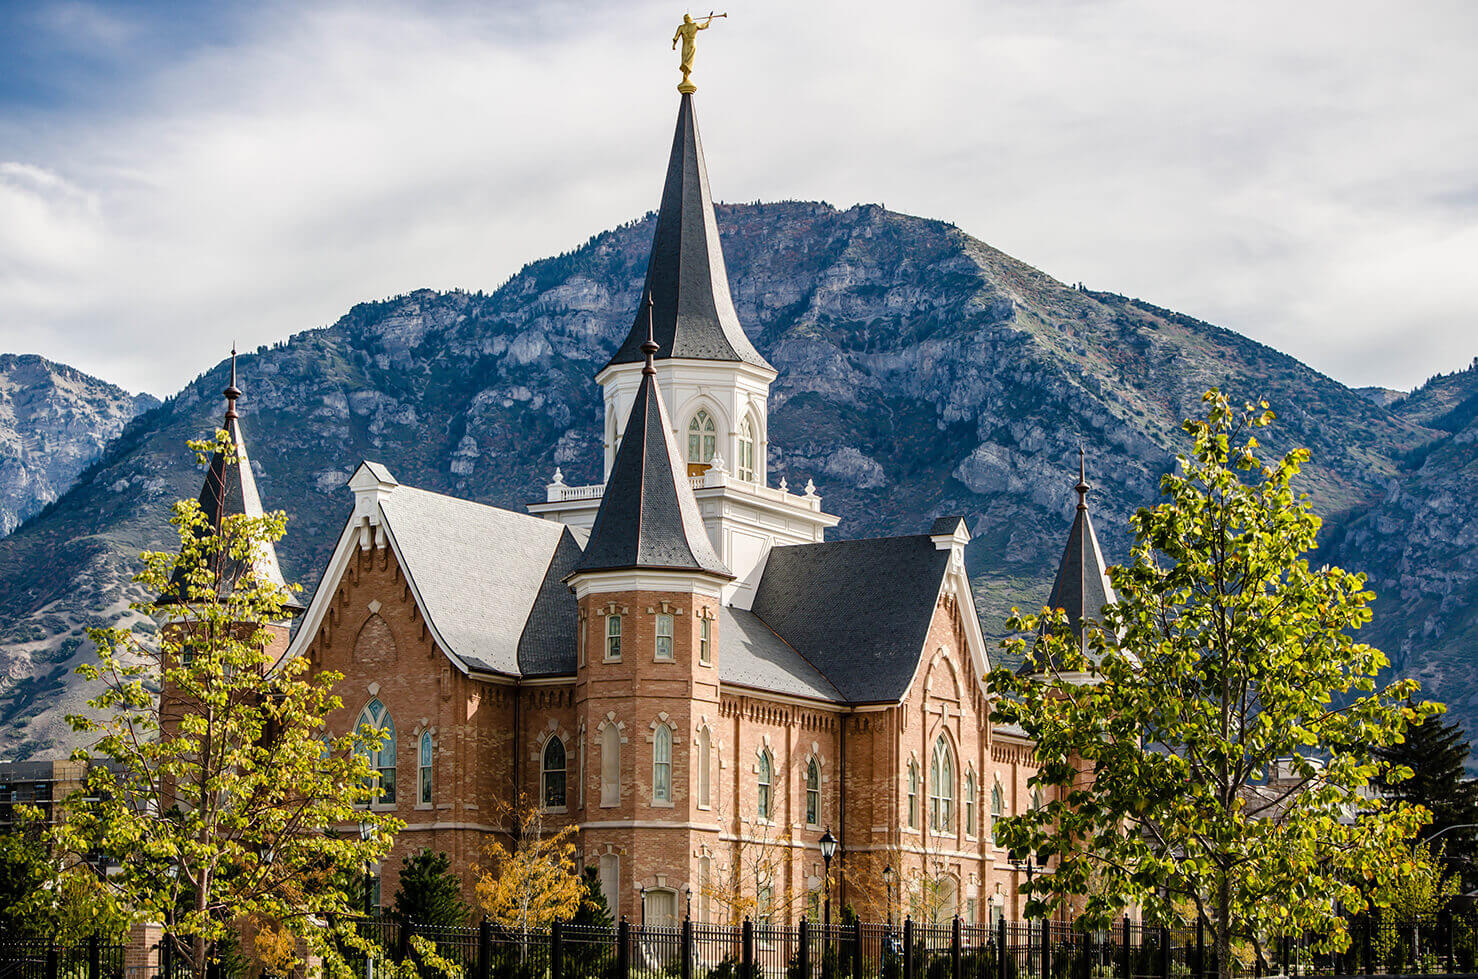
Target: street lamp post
point(366, 831)
point(888, 891)
point(828, 850)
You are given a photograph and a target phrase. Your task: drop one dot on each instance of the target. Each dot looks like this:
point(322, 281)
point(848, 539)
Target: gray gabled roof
point(857, 610)
point(693, 312)
point(488, 579)
point(648, 516)
point(750, 654)
point(1081, 588)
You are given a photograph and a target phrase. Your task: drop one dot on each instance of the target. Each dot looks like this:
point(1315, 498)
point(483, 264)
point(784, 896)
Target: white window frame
point(610, 767)
point(662, 652)
point(813, 792)
point(970, 807)
point(425, 759)
point(380, 720)
point(764, 802)
point(613, 638)
point(662, 766)
point(546, 772)
point(913, 795)
point(702, 440)
point(705, 641)
point(942, 787)
point(997, 809)
point(705, 771)
point(744, 466)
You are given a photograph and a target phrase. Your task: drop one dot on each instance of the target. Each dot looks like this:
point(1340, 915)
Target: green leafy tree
point(593, 912)
point(226, 787)
point(429, 893)
point(37, 901)
point(1436, 754)
point(1218, 750)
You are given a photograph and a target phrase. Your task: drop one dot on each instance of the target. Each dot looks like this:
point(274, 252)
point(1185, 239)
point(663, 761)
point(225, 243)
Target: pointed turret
point(693, 314)
point(1082, 587)
point(230, 489)
point(648, 517)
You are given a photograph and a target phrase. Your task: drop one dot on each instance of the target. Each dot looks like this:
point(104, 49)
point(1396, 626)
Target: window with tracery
point(424, 760)
point(764, 780)
point(555, 767)
point(942, 787)
point(702, 441)
point(376, 716)
point(813, 793)
point(744, 465)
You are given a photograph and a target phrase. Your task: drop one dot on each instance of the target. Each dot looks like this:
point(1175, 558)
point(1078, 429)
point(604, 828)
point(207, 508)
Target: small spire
point(1082, 486)
point(649, 347)
point(232, 392)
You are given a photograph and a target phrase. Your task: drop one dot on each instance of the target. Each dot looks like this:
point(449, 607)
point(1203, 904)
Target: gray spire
point(648, 516)
point(693, 315)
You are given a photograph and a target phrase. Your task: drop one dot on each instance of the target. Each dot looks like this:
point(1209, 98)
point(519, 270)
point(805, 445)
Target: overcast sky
point(173, 176)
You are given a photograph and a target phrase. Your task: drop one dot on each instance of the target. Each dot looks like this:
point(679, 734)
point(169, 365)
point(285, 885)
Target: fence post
point(95, 956)
point(746, 951)
point(623, 948)
point(484, 950)
point(857, 948)
point(686, 948)
point(1128, 937)
point(908, 948)
point(1447, 935)
point(403, 939)
point(1164, 952)
point(954, 949)
point(1200, 946)
point(1367, 942)
point(556, 945)
point(1046, 948)
point(805, 940)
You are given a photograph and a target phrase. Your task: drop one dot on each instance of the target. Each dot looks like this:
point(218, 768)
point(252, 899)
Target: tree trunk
point(1224, 927)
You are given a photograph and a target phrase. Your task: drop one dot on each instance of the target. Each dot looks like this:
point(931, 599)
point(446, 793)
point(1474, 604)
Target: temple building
point(677, 661)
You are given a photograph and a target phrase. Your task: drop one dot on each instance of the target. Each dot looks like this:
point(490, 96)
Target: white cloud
point(1301, 173)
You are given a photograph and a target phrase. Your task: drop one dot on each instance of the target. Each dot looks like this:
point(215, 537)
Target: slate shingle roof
point(858, 611)
point(489, 580)
point(693, 314)
point(751, 655)
point(648, 516)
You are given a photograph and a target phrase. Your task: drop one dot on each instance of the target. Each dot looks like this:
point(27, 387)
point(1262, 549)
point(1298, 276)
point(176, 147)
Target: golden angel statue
point(687, 32)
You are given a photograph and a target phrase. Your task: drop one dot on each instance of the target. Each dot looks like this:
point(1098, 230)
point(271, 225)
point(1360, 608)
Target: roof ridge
point(804, 658)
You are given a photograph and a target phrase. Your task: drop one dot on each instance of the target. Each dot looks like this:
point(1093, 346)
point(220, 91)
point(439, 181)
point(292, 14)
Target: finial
point(649, 347)
point(1082, 486)
point(687, 32)
point(232, 392)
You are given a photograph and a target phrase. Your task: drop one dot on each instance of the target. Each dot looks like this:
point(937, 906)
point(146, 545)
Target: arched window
point(813, 793)
point(662, 765)
point(377, 717)
point(969, 803)
point(704, 747)
point(913, 795)
point(610, 766)
point(764, 780)
point(554, 774)
point(744, 465)
point(702, 442)
point(997, 810)
point(424, 759)
point(1036, 799)
point(942, 787)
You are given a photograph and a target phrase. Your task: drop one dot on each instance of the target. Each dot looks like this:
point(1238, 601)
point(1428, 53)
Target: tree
point(1436, 753)
point(429, 893)
point(1217, 747)
point(753, 883)
point(38, 901)
point(225, 787)
point(535, 883)
point(593, 912)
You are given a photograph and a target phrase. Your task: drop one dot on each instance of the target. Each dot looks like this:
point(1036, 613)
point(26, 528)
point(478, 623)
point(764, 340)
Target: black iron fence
point(34, 958)
point(1441, 944)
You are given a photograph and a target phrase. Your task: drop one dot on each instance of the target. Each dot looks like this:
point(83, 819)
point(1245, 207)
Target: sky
point(174, 177)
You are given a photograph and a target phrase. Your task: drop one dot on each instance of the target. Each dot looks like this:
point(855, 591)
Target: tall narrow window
point(377, 717)
point(762, 809)
point(702, 442)
point(705, 886)
point(425, 769)
point(610, 882)
point(664, 637)
point(580, 762)
point(554, 774)
point(704, 747)
point(662, 765)
point(997, 810)
point(970, 804)
point(744, 465)
point(581, 650)
point(913, 795)
point(610, 766)
point(941, 787)
point(613, 638)
point(813, 793)
point(705, 641)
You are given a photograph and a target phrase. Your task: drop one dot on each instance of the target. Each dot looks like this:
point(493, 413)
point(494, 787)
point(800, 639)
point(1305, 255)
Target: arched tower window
point(813, 793)
point(997, 810)
point(554, 774)
point(424, 755)
point(764, 779)
point(913, 795)
point(376, 716)
point(662, 764)
point(744, 465)
point(704, 747)
point(702, 442)
point(610, 766)
point(969, 803)
point(942, 787)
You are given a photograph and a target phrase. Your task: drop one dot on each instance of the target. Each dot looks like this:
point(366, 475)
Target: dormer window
point(613, 639)
point(702, 442)
point(744, 465)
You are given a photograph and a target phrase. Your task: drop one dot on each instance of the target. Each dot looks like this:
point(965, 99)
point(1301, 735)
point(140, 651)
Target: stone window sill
point(659, 804)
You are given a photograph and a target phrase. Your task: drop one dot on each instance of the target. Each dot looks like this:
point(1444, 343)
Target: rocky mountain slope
point(922, 372)
point(54, 421)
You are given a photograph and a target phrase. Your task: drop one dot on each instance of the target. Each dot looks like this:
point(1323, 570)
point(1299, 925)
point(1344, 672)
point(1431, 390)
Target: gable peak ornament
point(687, 32)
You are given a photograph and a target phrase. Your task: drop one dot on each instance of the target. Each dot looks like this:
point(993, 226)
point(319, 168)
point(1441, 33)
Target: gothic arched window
point(554, 774)
point(377, 717)
point(424, 755)
point(942, 787)
point(997, 810)
point(744, 465)
point(913, 795)
point(765, 775)
point(702, 440)
point(704, 746)
point(610, 766)
point(813, 793)
point(662, 764)
point(970, 804)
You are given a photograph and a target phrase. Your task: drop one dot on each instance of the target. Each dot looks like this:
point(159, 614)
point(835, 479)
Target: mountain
point(1419, 543)
point(922, 372)
point(54, 421)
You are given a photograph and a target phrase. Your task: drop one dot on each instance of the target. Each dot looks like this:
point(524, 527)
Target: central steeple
point(693, 313)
